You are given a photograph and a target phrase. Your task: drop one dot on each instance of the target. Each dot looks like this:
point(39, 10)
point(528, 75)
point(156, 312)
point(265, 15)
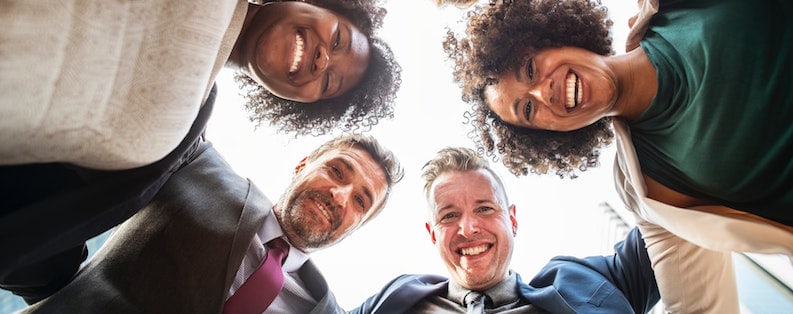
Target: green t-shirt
point(721, 125)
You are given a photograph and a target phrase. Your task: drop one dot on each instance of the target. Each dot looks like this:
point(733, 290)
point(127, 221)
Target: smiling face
point(331, 197)
point(558, 89)
point(303, 52)
point(472, 227)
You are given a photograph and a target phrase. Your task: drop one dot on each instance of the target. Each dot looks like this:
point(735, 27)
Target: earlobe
point(300, 165)
point(431, 232)
point(513, 219)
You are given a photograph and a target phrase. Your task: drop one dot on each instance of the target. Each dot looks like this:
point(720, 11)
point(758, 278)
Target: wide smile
point(474, 250)
point(298, 54)
point(323, 210)
point(574, 91)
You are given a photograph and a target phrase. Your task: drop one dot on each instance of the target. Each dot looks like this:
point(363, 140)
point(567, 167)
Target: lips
point(573, 91)
point(297, 54)
point(323, 210)
point(474, 250)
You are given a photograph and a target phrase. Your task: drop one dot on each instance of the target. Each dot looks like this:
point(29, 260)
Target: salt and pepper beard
point(299, 223)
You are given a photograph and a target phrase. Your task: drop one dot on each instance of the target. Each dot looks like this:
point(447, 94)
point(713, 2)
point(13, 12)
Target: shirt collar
point(271, 230)
point(502, 293)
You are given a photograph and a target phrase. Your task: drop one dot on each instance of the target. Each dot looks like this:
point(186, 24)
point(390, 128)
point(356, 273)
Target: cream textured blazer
point(107, 84)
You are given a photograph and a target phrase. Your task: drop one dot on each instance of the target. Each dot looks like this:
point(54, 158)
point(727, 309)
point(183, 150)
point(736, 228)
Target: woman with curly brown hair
point(701, 104)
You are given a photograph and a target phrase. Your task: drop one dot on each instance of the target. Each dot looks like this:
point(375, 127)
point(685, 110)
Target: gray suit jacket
point(179, 254)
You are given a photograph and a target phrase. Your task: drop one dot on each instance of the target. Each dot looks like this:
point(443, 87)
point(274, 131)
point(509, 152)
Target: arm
point(690, 249)
point(619, 283)
point(402, 293)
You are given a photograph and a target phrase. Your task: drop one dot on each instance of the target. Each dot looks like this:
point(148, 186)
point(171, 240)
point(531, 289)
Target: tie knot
point(473, 298)
point(279, 248)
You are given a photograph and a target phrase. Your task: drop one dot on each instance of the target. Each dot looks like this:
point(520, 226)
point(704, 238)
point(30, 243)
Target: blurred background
point(578, 217)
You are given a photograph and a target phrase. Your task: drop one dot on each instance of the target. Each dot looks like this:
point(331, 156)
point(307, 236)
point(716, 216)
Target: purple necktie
point(261, 288)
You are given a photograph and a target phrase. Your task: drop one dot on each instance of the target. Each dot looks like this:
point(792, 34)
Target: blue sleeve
point(623, 282)
point(630, 269)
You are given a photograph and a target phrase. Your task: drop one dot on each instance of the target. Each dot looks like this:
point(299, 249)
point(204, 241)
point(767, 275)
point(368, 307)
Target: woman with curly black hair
point(701, 103)
point(347, 102)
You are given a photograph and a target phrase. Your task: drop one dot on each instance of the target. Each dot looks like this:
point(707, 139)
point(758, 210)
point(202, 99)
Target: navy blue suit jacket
point(621, 283)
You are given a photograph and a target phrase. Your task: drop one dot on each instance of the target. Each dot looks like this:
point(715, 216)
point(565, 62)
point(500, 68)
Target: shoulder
point(402, 293)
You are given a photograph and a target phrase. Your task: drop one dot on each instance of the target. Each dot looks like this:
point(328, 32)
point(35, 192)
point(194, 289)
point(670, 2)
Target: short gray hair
point(456, 159)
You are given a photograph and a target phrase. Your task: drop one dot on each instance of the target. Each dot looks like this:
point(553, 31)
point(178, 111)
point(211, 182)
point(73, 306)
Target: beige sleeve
point(640, 22)
point(691, 248)
point(691, 279)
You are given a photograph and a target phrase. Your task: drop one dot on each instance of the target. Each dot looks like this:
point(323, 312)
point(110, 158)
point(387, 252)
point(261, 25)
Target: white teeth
point(298, 54)
point(474, 250)
point(322, 209)
point(574, 90)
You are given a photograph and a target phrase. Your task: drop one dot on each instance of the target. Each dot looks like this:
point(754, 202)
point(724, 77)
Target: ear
point(513, 219)
point(431, 232)
point(300, 165)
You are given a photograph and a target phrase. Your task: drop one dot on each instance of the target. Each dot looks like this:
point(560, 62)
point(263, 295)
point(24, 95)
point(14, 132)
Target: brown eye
point(527, 111)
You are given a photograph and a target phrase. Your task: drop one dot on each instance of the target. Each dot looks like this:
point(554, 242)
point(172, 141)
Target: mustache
point(330, 206)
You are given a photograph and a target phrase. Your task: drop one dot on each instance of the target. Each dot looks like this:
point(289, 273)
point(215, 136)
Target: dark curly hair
point(356, 110)
point(500, 36)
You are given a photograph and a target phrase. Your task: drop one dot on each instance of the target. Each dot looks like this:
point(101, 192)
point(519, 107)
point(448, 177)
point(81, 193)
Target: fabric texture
point(475, 303)
point(689, 247)
point(105, 100)
point(731, 146)
point(261, 288)
point(181, 252)
point(107, 85)
point(622, 283)
point(42, 255)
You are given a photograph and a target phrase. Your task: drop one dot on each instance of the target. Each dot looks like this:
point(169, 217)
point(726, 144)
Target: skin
point(621, 86)
point(469, 210)
point(533, 95)
point(335, 52)
point(330, 197)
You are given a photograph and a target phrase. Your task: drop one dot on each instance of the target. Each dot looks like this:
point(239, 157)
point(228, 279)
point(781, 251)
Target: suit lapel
point(318, 287)
point(411, 292)
point(251, 217)
point(547, 298)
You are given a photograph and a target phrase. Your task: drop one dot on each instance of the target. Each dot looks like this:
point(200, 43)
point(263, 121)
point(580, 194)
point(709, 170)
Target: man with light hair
point(473, 226)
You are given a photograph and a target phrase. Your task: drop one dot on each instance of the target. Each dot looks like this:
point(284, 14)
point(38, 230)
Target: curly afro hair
point(501, 36)
point(356, 110)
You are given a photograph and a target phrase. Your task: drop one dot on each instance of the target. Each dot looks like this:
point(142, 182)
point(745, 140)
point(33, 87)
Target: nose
point(469, 226)
point(321, 60)
point(341, 194)
point(540, 92)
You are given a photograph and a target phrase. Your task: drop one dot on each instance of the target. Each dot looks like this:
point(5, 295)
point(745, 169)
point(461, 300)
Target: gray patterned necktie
point(474, 302)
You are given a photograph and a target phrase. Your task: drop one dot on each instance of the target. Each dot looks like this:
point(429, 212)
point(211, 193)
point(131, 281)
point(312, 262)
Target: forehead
point(359, 161)
point(463, 186)
point(503, 96)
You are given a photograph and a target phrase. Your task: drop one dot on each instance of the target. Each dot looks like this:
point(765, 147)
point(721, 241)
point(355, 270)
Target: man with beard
point(103, 101)
point(198, 246)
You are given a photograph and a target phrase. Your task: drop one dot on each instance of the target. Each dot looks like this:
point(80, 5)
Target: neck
point(637, 83)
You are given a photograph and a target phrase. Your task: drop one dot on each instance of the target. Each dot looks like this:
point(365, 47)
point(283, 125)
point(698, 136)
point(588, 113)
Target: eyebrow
point(347, 50)
point(349, 167)
point(516, 108)
point(349, 38)
point(516, 105)
point(519, 72)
